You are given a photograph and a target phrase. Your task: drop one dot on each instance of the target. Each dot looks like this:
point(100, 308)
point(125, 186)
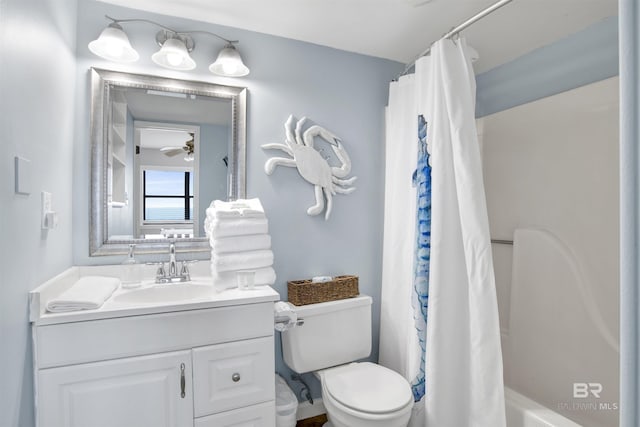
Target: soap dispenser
point(131, 270)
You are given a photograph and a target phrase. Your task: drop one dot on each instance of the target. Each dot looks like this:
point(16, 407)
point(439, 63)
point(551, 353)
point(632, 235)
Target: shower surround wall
point(553, 165)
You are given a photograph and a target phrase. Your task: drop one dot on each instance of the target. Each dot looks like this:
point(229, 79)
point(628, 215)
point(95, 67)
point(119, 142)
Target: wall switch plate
point(22, 175)
point(49, 217)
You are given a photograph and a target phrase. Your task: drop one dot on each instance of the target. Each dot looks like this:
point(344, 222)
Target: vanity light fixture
point(229, 63)
point(175, 46)
point(174, 51)
point(113, 44)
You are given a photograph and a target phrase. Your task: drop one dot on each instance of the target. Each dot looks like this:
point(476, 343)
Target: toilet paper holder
point(285, 316)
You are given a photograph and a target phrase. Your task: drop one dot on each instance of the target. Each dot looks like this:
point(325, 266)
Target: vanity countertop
point(112, 308)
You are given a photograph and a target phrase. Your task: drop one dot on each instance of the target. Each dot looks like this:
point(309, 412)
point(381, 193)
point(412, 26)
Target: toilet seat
point(367, 388)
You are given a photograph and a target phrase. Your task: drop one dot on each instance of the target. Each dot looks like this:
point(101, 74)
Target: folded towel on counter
point(88, 293)
point(236, 227)
point(227, 279)
point(242, 208)
point(241, 260)
point(251, 242)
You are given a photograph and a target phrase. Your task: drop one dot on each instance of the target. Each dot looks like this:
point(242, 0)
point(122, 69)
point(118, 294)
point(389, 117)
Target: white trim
point(307, 410)
point(629, 47)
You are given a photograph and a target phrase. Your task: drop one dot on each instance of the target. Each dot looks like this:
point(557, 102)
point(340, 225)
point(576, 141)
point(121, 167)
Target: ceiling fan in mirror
point(187, 149)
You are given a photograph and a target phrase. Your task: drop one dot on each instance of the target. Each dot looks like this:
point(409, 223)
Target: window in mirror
point(167, 170)
point(167, 196)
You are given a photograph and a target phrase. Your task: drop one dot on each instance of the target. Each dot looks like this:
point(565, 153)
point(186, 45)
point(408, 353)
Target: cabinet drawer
point(232, 375)
point(90, 341)
point(261, 415)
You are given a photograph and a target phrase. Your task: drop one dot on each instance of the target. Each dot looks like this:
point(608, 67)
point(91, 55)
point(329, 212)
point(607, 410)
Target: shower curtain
point(439, 316)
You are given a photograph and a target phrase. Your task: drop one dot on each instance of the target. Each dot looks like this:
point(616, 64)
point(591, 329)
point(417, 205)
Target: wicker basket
point(303, 292)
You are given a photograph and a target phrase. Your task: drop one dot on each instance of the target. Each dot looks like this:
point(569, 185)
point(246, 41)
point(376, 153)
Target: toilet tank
point(333, 333)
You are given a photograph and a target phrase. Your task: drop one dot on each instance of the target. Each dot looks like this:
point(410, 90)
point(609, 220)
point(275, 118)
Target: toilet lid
point(367, 387)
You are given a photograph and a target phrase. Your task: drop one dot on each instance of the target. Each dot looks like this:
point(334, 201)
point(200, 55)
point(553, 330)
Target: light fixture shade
point(174, 55)
point(229, 63)
point(113, 44)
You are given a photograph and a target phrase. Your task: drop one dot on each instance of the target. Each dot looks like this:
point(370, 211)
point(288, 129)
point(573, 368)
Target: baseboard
point(307, 410)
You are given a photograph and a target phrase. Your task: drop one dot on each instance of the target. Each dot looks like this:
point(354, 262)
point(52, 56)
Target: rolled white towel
point(242, 260)
point(227, 279)
point(251, 242)
point(237, 227)
point(241, 208)
point(88, 293)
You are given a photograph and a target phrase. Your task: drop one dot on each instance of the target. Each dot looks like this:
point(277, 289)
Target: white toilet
point(333, 335)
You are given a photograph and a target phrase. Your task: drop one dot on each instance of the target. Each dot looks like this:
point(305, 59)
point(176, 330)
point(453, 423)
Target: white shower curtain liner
point(464, 384)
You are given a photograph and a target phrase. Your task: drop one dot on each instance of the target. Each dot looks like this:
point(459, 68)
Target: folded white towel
point(242, 260)
point(236, 227)
point(88, 293)
point(241, 208)
point(227, 279)
point(251, 242)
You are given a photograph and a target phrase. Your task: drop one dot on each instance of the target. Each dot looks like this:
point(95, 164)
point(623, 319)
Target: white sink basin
point(165, 293)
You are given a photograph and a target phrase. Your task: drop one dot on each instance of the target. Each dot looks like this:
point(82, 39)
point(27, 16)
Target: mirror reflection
point(169, 160)
point(163, 149)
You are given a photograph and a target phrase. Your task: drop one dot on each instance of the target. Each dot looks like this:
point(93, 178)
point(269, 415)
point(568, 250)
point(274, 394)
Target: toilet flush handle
point(235, 377)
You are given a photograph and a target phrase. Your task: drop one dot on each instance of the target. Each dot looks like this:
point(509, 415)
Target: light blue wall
point(342, 91)
point(214, 145)
point(37, 84)
point(585, 57)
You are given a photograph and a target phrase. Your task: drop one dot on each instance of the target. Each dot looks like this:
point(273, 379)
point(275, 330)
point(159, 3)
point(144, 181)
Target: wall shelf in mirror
point(129, 203)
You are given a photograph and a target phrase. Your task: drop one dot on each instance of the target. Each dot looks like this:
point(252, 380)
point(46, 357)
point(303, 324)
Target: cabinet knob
point(235, 377)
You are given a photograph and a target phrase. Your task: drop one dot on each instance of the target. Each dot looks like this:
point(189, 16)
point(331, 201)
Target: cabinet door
point(136, 391)
point(262, 415)
point(232, 375)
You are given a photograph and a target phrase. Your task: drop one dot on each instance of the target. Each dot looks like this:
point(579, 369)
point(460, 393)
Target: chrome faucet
point(173, 268)
point(171, 274)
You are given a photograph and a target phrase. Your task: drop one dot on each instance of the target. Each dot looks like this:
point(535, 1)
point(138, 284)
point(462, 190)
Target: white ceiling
point(156, 139)
point(396, 29)
point(156, 107)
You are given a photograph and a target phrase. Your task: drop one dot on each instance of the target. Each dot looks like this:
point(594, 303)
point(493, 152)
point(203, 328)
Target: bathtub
point(524, 412)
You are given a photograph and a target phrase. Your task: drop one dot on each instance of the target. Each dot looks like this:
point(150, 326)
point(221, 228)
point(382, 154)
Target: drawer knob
point(235, 377)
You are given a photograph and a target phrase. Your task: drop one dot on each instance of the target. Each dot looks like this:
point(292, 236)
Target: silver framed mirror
point(196, 129)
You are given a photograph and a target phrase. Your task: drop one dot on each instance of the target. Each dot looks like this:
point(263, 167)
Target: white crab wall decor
point(328, 180)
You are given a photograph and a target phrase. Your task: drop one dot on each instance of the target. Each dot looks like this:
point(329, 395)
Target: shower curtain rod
point(455, 30)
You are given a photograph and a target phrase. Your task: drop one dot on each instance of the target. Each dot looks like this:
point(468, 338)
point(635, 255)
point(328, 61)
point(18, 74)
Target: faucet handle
point(184, 269)
point(160, 272)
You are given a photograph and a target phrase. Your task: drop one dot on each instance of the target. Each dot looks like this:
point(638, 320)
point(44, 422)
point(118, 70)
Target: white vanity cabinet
point(208, 365)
